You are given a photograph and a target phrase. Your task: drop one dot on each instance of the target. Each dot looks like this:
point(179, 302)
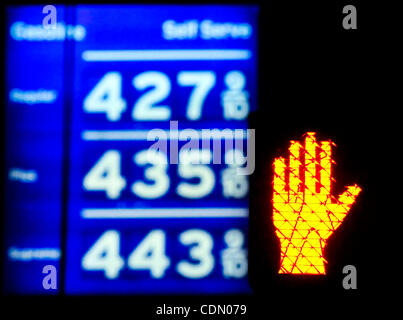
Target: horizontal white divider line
point(164, 55)
point(113, 135)
point(158, 213)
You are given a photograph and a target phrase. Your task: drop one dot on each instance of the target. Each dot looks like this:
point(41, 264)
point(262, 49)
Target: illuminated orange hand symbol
point(305, 213)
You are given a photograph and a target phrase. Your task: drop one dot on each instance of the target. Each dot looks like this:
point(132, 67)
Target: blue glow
point(124, 71)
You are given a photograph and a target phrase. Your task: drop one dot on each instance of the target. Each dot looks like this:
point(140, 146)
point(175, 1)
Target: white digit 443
point(104, 255)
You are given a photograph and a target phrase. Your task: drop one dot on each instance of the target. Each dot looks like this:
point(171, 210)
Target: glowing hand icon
point(305, 213)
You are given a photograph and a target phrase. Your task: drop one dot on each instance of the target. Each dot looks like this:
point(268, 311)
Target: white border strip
point(116, 135)
point(166, 55)
point(158, 213)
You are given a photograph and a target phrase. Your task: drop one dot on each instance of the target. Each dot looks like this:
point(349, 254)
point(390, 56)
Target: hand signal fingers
point(310, 166)
point(280, 195)
point(279, 175)
point(295, 183)
point(347, 198)
point(325, 180)
point(340, 210)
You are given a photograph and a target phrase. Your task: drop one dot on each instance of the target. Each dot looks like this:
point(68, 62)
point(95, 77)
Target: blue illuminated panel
point(138, 85)
point(136, 225)
point(34, 113)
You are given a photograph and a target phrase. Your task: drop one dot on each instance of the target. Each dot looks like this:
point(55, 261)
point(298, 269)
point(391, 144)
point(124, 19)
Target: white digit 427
point(106, 96)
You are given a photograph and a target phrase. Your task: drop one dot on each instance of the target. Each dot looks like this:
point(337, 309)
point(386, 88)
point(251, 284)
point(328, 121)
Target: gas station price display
point(139, 220)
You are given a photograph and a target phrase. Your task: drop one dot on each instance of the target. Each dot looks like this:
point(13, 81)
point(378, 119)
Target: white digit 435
point(105, 175)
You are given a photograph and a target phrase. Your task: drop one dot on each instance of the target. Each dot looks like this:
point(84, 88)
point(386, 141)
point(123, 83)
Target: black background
point(313, 76)
point(316, 76)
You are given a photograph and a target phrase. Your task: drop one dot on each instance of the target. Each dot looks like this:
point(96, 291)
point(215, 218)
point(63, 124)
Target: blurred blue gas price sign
point(156, 198)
